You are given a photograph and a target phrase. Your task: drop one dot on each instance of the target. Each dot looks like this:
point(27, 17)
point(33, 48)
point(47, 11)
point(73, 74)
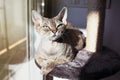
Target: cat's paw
point(46, 70)
point(47, 67)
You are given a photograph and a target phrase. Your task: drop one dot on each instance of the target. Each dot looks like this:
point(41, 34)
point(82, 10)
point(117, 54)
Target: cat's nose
point(54, 31)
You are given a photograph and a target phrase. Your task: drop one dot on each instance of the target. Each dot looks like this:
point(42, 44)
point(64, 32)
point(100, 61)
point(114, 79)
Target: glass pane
point(13, 51)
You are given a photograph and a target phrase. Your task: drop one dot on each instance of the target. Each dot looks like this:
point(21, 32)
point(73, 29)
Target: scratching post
point(95, 25)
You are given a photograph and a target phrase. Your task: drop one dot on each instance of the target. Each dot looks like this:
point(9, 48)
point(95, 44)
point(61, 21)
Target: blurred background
point(13, 48)
point(17, 33)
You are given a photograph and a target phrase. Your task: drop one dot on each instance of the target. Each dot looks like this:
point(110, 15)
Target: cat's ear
point(36, 18)
point(62, 16)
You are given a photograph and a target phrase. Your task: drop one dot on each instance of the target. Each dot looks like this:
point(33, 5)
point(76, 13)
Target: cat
point(59, 40)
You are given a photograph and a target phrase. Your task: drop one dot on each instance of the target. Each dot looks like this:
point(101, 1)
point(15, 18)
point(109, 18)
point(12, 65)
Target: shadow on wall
point(112, 26)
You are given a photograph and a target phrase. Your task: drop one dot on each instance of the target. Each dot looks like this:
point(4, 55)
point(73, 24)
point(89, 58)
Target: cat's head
point(50, 28)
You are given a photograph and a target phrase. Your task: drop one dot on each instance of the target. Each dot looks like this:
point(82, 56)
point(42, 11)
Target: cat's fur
point(59, 40)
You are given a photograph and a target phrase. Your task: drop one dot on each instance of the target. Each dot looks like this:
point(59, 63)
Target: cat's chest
point(50, 47)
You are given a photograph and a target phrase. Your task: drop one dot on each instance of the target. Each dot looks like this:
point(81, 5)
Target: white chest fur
point(50, 46)
point(51, 49)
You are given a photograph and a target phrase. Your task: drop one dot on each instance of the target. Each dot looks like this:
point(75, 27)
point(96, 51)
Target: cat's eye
point(60, 25)
point(45, 26)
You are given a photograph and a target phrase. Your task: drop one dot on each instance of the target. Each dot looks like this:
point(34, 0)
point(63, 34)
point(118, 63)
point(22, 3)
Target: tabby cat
point(59, 40)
